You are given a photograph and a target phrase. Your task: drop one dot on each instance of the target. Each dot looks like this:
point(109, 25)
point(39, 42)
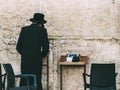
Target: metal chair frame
point(11, 85)
point(102, 77)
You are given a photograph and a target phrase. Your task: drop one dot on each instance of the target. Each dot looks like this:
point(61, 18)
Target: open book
point(73, 58)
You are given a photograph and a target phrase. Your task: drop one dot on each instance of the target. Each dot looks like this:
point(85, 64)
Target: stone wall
point(88, 27)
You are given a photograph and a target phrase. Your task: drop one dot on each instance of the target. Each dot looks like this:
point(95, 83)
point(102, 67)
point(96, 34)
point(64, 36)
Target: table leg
point(60, 77)
point(85, 76)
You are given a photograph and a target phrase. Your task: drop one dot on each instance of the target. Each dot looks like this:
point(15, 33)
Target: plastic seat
point(11, 77)
point(102, 77)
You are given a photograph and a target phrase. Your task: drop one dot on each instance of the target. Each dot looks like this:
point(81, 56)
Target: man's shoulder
point(34, 27)
point(25, 27)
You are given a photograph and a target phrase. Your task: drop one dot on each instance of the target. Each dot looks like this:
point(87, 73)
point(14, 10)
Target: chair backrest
point(102, 75)
point(10, 75)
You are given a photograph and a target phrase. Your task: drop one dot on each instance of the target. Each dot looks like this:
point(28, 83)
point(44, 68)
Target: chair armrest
point(85, 74)
point(84, 78)
point(116, 74)
point(26, 76)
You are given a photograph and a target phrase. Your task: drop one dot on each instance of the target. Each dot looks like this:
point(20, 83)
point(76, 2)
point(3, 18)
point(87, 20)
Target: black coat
point(33, 45)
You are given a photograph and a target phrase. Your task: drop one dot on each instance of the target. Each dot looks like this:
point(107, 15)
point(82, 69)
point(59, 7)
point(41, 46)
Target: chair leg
point(84, 87)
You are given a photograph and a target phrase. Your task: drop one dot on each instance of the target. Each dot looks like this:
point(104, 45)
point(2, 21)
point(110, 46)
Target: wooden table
point(83, 61)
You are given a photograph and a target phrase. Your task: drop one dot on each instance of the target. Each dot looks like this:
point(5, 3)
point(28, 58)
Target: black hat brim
point(40, 21)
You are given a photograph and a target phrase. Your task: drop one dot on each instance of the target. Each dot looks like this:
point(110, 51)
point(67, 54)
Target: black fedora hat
point(38, 18)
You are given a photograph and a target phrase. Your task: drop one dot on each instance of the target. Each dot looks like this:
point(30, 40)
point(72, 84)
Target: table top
point(83, 61)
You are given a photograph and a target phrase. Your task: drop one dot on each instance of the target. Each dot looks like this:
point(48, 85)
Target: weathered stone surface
point(88, 27)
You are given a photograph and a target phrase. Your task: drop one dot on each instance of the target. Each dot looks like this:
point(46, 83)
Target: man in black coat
point(33, 45)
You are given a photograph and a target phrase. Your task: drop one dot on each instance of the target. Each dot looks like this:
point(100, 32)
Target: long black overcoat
point(33, 45)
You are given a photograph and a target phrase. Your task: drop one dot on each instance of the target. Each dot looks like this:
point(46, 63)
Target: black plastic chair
point(102, 77)
point(11, 77)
